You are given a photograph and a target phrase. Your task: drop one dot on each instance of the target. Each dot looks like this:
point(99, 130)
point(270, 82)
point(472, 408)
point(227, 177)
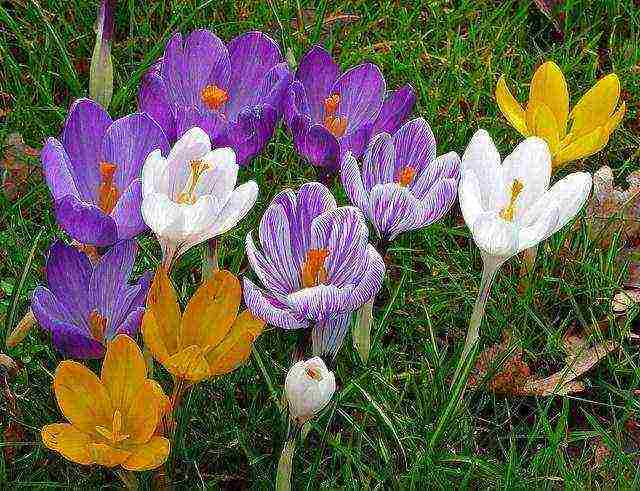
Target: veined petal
point(85, 222)
point(545, 126)
point(123, 372)
point(189, 363)
point(393, 209)
point(268, 308)
point(161, 322)
point(57, 170)
point(272, 277)
point(317, 72)
point(211, 311)
point(616, 118)
point(510, 107)
point(378, 165)
point(596, 107)
point(370, 280)
point(236, 346)
point(495, 236)
point(82, 398)
point(582, 147)
point(127, 215)
point(143, 414)
point(68, 441)
point(328, 335)
point(396, 109)
point(148, 456)
point(446, 166)
point(106, 455)
point(321, 302)
point(438, 202)
point(352, 182)
point(549, 87)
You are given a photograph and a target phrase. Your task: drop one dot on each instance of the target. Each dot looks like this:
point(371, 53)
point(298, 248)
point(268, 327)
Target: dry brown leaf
point(624, 300)
point(19, 165)
point(21, 330)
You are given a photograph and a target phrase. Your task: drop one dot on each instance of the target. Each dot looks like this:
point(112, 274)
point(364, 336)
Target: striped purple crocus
point(402, 186)
point(316, 265)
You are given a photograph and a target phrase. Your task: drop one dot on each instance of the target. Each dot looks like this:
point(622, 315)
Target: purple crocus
point(233, 92)
point(87, 305)
point(316, 265)
point(330, 114)
point(94, 172)
point(402, 185)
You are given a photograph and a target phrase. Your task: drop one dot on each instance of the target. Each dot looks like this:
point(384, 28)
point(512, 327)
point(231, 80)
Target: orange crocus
point(210, 338)
point(112, 419)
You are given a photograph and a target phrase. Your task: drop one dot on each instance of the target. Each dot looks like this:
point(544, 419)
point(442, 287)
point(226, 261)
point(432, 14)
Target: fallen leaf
point(624, 300)
point(21, 330)
point(19, 165)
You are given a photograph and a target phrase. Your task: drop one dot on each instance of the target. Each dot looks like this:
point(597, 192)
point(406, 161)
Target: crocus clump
point(93, 173)
point(189, 196)
point(330, 114)
point(316, 265)
point(402, 185)
point(210, 339)
point(112, 420)
point(85, 305)
point(570, 135)
point(233, 92)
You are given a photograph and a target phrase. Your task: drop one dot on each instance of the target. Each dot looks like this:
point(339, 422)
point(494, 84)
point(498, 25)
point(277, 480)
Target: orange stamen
point(406, 175)
point(198, 167)
point(313, 270)
point(337, 125)
point(313, 373)
point(97, 325)
point(214, 97)
point(509, 211)
point(114, 435)
point(107, 192)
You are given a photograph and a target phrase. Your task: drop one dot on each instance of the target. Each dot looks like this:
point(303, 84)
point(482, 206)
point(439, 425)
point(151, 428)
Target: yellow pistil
point(107, 192)
point(508, 211)
point(198, 167)
point(114, 435)
point(313, 374)
point(214, 97)
point(97, 325)
point(336, 125)
point(406, 175)
point(313, 270)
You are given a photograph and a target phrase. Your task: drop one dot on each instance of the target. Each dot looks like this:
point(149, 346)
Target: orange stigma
point(107, 192)
point(313, 373)
point(509, 211)
point(214, 97)
point(97, 325)
point(406, 175)
point(336, 125)
point(313, 270)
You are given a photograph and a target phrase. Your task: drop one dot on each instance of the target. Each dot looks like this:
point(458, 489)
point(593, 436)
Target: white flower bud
point(309, 387)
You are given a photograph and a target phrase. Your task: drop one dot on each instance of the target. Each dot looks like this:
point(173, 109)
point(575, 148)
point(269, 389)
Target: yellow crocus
point(570, 135)
point(210, 338)
point(112, 419)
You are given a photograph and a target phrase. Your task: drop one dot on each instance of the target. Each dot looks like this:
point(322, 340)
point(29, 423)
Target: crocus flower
point(94, 172)
point(316, 265)
point(402, 185)
point(87, 305)
point(570, 135)
point(330, 114)
point(112, 420)
point(189, 196)
point(210, 338)
point(233, 92)
point(510, 207)
point(309, 387)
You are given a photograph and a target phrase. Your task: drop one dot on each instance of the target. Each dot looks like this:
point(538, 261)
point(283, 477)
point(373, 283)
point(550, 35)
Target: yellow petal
point(211, 311)
point(68, 441)
point(82, 398)
point(189, 364)
point(148, 456)
point(161, 322)
point(510, 107)
point(616, 119)
point(107, 455)
point(545, 126)
point(162, 401)
point(144, 413)
point(596, 107)
point(549, 87)
point(581, 147)
point(123, 371)
point(235, 348)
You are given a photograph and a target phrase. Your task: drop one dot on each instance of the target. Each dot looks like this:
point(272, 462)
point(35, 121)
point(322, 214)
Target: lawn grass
point(375, 433)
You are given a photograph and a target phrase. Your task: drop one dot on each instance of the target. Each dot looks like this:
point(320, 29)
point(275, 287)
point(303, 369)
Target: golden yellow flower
point(570, 135)
point(112, 419)
point(210, 338)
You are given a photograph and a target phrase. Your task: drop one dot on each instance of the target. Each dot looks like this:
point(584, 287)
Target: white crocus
point(309, 387)
point(508, 207)
point(190, 196)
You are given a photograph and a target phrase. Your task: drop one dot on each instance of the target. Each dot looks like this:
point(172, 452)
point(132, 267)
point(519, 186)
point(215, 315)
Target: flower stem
point(210, 259)
point(458, 384)
point(285, 465)
point(362, 330)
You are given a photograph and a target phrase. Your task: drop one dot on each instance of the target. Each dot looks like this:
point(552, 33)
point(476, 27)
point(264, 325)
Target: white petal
point(482, 157)
point(352, 181)
point(200, 216)
point(540, 230)
point(152, 171)
point(221, 177)
point(193, 145)
point(239, 204)
point(495, 236)
point(529, 163)
point(469, 195)
point(162, 215)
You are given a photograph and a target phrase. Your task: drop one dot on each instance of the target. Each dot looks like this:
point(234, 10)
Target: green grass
point(375, 433)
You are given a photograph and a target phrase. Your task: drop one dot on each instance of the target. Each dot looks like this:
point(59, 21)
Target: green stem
point(362, 330)
point(210, 259)
point(285, 465)
point(458, 384)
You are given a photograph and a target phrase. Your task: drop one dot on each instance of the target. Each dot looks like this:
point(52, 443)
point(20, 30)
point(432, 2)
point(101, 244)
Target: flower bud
point(309, 387)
